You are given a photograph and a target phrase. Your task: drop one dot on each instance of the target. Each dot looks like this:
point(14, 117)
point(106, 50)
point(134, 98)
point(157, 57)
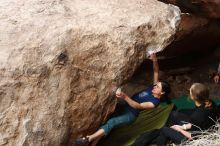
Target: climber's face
point(157, 89)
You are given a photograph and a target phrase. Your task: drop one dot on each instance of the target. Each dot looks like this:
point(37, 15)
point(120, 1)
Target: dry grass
point(210, 137)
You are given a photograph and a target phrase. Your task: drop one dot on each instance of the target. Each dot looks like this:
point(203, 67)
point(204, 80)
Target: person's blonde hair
point(200, 94)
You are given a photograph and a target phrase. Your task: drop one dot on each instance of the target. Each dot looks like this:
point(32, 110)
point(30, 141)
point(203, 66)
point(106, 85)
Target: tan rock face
point(60, 60)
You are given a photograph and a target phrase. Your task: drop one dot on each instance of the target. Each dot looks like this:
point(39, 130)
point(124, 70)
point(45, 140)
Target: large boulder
point(60, 60)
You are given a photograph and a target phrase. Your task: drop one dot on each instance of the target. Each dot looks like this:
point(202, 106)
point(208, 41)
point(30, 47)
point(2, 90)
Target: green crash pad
point(184, 102)
point(147, 120)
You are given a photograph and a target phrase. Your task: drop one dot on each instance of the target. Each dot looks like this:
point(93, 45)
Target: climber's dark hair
point(166, 89)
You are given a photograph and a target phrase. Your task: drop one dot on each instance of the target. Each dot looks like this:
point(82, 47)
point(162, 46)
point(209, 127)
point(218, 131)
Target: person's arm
point(182, 129)
point(134, 104)
point(153, 57)
point(216, 77)
point(186, 133)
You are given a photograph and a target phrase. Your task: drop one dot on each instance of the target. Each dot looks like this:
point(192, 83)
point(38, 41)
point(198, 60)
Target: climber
point(144, 100)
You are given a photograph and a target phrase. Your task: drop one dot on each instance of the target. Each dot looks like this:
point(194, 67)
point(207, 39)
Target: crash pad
point(147, 120)
point(184, 102)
